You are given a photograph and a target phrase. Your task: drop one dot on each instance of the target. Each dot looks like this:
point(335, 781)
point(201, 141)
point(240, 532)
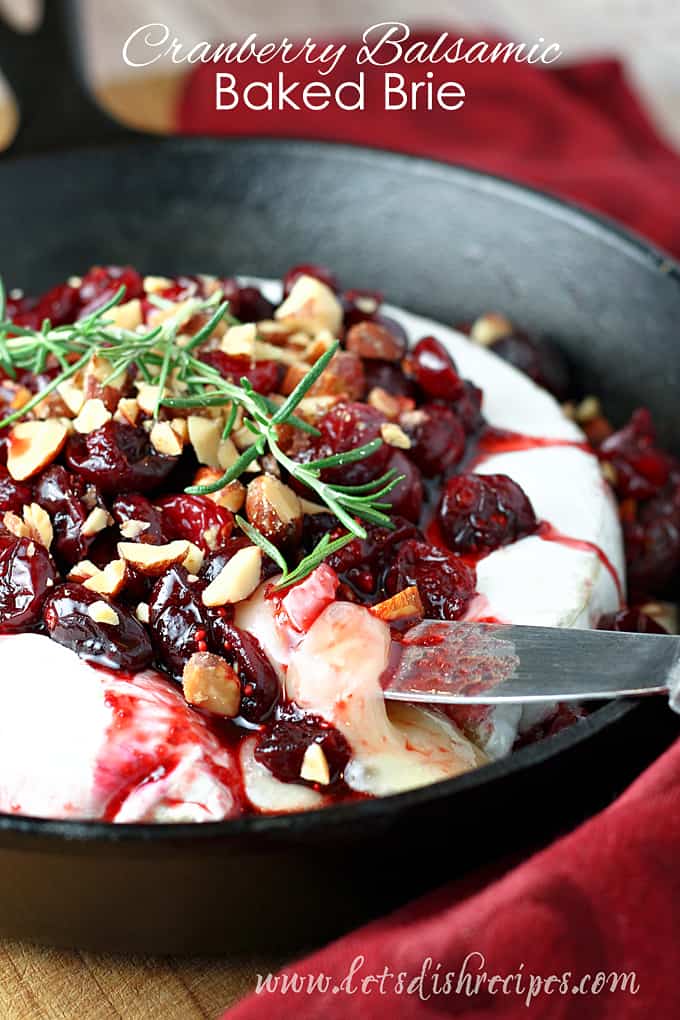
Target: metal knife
point(488, 664)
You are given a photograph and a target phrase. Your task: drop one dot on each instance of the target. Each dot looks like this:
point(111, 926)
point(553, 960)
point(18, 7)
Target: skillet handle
point(44, 69)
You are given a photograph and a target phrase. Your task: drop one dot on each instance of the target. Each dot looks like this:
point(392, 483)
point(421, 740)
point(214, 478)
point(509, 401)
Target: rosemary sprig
point(166, 358)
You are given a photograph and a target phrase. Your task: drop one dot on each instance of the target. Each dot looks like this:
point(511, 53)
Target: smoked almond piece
point(210, 682)
point(33, 445)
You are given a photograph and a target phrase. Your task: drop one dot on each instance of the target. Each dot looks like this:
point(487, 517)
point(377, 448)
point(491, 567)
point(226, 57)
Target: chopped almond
point(311, 306)
point(39, 525)
point(97, 520)
point(312, 509)
point(294, 375)
point(109, 581)
point(127, 411)
point(132, 529)
point(315, 766)
point(147, 397)
point(102, 612)
point(237, 580)
point(489, 328)
point(72, 395)
point(15, 525)
point(154, 284)
point(401, 606)
point(205, 435)
point(193, 560)
point(33, 445)
point(83, 571)
point(393, 435)
point(240, 340)
point(588, 410)
point(127, 316)
point(274, 509)
point(209, 682)
point(153, 559)
point(165, 440)
point(232, 496)
point(93, 415)
point(142, 612)
point(384, 402)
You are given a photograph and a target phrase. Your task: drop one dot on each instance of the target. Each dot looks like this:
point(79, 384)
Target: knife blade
point(485, 664)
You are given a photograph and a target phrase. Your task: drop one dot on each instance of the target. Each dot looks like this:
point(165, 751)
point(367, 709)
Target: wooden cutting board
point(50, 984)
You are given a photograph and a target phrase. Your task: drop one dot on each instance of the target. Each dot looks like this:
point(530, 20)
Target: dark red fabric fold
point(577, 131)
point(607, 897)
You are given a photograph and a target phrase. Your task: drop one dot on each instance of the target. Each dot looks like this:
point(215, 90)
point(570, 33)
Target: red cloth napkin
point(579, 131)
point(606, 897)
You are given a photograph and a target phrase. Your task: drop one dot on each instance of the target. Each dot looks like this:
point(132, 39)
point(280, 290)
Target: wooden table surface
point(49, 984)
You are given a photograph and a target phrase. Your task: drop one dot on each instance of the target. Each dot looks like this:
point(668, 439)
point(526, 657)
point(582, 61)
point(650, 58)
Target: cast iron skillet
point(441, 240)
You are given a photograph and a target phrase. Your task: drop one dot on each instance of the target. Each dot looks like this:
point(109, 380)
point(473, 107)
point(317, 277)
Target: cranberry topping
point(69, 501)
point(13, 495)
point(434, 369)
point(541, 361)
point(652, 541)
point(388, 376)
point(131, 506)
point(406, 498)
point(362, 563)
point(177, 619)
point(468, 407)
point(26, 574)
point(103, 282)
point(118, 456)
point(345, 427)
point(196, 518)
point(437, 438)
point(309, 269)
point(283, 744)
point(632, 621)
point(259, 682)
point(479, 513)
point(360, 306)
point(264, 376)
point(71, 620)
point(246, 303)
point(641, 469)
point(445, 583)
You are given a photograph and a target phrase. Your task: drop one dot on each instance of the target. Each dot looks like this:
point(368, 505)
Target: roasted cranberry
point(468, 407)
point(541, 361)
point(446, 584)
point(376, 340)
point(177, 620)
point(59, 305)
point(26, 575)
point(259, 682)
point(264, 376)
point(652, 542)
point(479, 513)
point(246, 303)
point(360, 306)
point(283, 744)
point(641, 469)
point(13, 495)
point(101, 283)
point(309, 269)
point(363, 563)
point(69, 502)
point(389, 377)
point(406, 498)
point(437, 438)
point(632, 621)
point(71, 620)
point(118, 456)
point(196, 518)
point(133, 507)
point(433, 368)
point(345, 427)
